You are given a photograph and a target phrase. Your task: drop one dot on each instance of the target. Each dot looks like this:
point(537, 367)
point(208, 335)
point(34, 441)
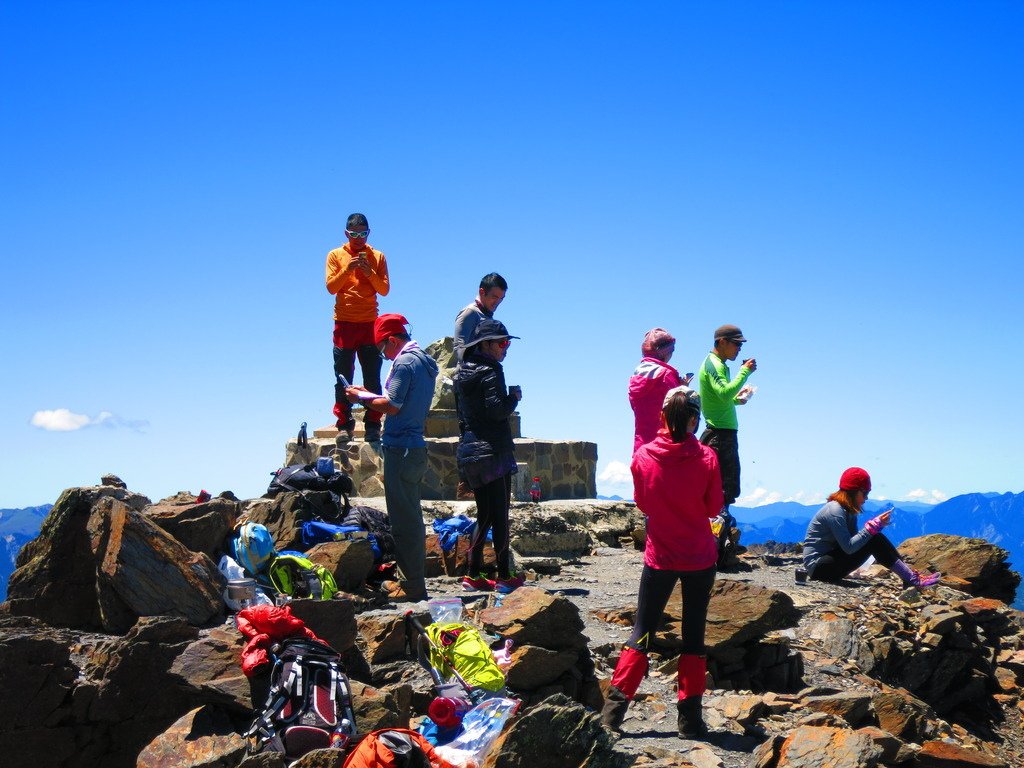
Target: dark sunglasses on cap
point(356, 234)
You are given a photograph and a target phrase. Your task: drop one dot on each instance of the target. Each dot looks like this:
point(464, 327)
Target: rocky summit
point(117, 650)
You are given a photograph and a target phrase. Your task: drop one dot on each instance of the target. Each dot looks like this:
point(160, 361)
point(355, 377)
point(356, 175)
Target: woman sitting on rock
point(678, 487)
point(834, 548)
point(486, 453)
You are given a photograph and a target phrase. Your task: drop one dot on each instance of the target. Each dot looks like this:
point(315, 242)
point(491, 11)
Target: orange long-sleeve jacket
point(356, 293)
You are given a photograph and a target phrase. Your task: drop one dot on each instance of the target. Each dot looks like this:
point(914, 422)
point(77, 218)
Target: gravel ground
point(608, 579)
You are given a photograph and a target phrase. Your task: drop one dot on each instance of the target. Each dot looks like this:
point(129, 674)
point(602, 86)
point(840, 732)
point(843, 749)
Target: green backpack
point(300, 577)
point(460, 647)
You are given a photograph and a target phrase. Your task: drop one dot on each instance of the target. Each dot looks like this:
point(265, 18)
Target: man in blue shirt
point(408, 393)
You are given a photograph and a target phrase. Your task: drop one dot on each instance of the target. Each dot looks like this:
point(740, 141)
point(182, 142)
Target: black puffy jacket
point(484, 408)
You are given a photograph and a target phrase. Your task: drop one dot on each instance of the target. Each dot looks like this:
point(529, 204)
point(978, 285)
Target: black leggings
point(492, 502)
point(655, 588)
point(837, 565)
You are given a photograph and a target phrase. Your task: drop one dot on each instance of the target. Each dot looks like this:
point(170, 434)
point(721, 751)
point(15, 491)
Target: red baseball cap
point(388, 325)
point(855, 479)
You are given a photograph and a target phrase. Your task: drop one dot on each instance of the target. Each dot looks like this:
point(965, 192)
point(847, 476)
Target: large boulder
point(532, 616)
point(143, 571)
point(209, 668)
point(200, 527)
point(538, 532)
point(39, 676)
point(55, 577)
point(739, 612)
point(333, 621)
point(284, 514)
point(556, 733)
point(206, 737)
point(818, 747)
point(350, 562)
point(981, 564)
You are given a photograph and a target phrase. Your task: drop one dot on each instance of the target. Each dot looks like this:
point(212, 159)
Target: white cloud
point(928, 497)
point(616, 473)
point(63, 420)
point(60, 420)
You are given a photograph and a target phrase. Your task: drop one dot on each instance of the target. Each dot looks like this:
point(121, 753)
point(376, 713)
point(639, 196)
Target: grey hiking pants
point(403, 472)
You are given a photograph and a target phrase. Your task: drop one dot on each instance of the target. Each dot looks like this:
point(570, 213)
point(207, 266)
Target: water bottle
point(535, 490)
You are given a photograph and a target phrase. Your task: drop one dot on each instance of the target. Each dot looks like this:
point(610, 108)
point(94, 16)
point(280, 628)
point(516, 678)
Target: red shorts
point(352, 335)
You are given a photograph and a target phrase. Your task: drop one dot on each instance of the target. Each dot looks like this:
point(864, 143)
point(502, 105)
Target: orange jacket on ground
point(356, 293)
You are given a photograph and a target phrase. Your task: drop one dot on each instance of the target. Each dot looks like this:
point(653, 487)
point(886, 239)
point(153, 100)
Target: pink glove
point(875, 525)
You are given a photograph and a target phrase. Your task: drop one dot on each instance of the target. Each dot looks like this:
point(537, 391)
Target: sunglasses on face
point(357, 234)
point(503, 343)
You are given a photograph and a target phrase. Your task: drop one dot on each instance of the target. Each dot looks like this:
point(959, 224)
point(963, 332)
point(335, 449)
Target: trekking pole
point(434, 673)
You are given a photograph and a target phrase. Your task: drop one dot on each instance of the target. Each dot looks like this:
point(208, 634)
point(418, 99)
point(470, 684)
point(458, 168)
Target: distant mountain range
point(995, 517)
point(17, 527)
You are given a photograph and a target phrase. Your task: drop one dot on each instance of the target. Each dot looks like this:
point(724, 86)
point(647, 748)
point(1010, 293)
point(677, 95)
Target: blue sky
point(842, 180)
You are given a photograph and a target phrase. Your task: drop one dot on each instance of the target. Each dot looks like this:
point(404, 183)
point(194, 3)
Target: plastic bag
point(480, 729)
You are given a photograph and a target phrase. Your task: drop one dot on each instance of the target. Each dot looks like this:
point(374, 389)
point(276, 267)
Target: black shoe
point(371, 432)
point(614, 710)
point(690, 719)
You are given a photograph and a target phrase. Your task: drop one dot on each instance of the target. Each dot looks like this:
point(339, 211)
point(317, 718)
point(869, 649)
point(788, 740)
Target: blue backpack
point(253, 548)
point(317, 532)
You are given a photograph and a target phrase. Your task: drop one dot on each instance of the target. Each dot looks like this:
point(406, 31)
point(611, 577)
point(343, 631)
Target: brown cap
point(730, 332)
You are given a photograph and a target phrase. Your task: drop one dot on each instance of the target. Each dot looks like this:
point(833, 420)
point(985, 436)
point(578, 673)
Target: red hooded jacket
point(679, 489)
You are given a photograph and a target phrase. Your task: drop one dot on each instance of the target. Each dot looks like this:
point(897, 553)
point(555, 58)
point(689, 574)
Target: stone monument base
point(567, 469)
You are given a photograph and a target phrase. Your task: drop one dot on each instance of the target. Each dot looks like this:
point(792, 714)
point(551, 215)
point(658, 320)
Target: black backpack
point(309, 705)
point(378, 525)
point(300, 478)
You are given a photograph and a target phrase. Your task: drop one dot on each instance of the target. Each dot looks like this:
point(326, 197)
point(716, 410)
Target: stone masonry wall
point(567, 469)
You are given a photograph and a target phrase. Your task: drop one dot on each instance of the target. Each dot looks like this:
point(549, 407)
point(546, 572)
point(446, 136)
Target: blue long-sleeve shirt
point(831, 528)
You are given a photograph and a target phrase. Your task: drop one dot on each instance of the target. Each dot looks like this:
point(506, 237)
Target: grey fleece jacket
point(829, 529)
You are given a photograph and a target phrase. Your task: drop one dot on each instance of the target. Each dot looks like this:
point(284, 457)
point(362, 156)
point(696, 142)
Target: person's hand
point(516, 391)
point(687, 379)
point(750, 363)
point(876, 524)
point(353, 393)
point(361, 263)
point(743, 395)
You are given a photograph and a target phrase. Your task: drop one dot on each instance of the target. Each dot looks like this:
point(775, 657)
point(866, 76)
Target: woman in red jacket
point(678, 487)
point(651, 380)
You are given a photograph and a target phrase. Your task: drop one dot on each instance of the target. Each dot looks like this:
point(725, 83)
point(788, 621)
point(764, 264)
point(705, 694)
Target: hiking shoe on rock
point(480, 582)
point(926, 579)
point(511, 584)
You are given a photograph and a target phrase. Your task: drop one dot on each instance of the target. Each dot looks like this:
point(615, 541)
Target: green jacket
point(718, 393)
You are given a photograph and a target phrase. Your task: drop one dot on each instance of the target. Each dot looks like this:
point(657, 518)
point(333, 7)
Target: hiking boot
point(403, 593)
point(511, 584)
point(614, 710)
point(345, 430)
point(371, 431)
point(690, 718)
point(478, 583)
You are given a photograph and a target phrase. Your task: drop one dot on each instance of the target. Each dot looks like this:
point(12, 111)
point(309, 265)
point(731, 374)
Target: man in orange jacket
point(356, 274)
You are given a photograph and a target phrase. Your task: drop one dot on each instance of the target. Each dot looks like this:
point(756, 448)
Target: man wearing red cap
point(408, 393)
point(356, 275)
